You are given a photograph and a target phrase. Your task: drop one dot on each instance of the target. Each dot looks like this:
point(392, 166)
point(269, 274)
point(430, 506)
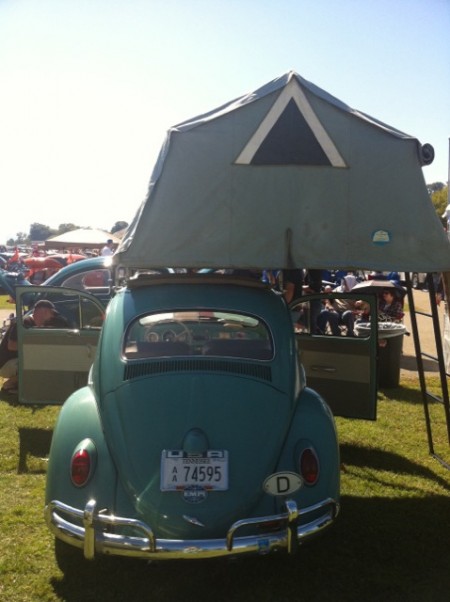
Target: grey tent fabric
point(287, 176)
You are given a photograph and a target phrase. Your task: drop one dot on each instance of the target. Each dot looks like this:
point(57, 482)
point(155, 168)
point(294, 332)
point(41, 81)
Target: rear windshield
point(198, 332)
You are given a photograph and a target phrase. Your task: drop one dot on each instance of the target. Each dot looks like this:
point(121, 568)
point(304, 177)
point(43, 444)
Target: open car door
point(55, 361)
point(339, 356)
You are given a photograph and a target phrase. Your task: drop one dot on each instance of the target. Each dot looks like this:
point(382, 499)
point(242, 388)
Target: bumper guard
point(93, 537)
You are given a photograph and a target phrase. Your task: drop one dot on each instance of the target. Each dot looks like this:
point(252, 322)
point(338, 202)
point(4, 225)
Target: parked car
point(196, 435)
point(9, 281)
point(40, 268)
point(93, 275)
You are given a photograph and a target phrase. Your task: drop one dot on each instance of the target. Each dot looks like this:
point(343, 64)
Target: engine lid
point(203, 440)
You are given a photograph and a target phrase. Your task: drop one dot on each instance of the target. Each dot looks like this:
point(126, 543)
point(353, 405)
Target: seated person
point(339, 312)
point(363, 311)
point(390, 307)
point(45, 315)
point(8, 359)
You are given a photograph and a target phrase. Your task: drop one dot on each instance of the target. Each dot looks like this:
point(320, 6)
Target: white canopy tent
point(288, 176)
point(82, 238)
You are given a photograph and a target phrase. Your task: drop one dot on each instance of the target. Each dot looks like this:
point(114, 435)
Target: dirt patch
point(408, 362)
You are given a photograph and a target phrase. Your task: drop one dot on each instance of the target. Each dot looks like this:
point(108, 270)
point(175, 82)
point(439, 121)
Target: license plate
point(180, 470)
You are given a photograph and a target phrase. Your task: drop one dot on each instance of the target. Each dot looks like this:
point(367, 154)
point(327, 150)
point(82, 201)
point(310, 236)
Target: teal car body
point(196, 435)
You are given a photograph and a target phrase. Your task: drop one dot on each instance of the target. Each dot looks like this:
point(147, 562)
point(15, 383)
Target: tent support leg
point(439, 358)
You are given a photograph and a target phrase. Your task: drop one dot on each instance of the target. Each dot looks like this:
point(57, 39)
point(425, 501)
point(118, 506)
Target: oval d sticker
point(282, 483)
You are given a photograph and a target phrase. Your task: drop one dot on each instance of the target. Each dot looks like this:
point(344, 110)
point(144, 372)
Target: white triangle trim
point(291, 91)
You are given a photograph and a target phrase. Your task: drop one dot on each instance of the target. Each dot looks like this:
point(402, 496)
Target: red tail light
point(80, 468)
point(83, 462)
point(309, 466)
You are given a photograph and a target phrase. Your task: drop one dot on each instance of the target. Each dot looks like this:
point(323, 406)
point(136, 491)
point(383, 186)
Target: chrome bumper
point(94, 538)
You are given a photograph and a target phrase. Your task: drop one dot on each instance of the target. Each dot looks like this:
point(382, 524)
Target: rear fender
point(79, 420)
point(313, 424)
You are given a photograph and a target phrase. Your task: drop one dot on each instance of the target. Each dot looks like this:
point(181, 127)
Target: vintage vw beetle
point(196, 435)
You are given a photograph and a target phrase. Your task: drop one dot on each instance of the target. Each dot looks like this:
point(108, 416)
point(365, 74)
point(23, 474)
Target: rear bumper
point(98, 533)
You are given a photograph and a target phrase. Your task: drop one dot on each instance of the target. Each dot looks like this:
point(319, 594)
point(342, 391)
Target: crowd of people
point(37, 264)
point(336, 316)
point(339, 315)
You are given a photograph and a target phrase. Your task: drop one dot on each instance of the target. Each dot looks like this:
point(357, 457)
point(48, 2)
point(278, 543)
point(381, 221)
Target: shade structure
point(376, 286)
point(288, 176)
point(81, 238)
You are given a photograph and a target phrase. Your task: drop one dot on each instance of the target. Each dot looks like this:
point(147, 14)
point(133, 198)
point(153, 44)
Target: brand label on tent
point(291, 134)
point(381, 237)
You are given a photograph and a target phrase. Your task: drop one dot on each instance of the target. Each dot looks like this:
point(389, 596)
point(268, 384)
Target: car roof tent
point(287, 176)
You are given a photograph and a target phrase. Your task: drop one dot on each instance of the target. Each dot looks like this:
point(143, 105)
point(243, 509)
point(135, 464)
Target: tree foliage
point(435, 187)
point(439, 197)
point(40, 232)
point(118, 226)
point(66, 228)
point(21, 238)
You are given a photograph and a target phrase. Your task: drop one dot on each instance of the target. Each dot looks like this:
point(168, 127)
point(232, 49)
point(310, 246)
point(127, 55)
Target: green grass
point(391, 541)
point(4, 304)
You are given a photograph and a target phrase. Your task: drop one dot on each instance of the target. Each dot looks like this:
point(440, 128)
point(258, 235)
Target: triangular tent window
point(291, 134)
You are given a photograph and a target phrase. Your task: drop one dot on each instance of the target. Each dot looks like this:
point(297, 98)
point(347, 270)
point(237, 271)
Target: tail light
point(309, 466)
point(83, 462)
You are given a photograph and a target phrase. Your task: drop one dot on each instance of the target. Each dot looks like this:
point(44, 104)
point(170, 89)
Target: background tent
point(288, 176)
point(82, 238)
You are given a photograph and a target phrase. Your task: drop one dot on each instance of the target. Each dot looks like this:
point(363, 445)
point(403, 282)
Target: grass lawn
point(391, 541)
point(5, 304)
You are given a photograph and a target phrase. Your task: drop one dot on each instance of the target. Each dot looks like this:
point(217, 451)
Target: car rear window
point(198, 332)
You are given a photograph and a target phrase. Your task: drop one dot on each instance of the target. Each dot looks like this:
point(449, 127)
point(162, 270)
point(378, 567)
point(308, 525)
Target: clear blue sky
point(89, 87)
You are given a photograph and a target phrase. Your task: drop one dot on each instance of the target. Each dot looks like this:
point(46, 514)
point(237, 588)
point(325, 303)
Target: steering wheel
point(184, 335)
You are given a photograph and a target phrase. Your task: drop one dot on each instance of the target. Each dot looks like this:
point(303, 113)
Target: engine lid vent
point(137, 370)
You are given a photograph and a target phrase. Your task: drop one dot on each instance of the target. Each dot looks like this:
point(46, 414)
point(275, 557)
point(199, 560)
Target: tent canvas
point(288, 176)
point(82, 238)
